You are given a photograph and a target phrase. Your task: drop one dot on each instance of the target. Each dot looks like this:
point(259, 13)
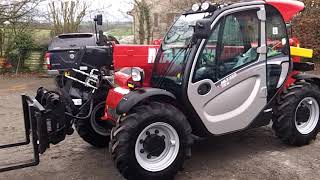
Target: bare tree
point(15, 18)
point(66, 16)
point(17, 9)
point(185, 5)
point(142, 11)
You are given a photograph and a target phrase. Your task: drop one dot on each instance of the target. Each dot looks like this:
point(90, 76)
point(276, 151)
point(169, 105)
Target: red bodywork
point(287, 8)
point(127, 56)
point(142, 56)
point(295, 43)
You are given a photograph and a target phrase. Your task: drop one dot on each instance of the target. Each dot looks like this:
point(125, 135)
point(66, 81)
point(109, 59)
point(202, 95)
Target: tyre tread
point(128, 125)
point(283, 121)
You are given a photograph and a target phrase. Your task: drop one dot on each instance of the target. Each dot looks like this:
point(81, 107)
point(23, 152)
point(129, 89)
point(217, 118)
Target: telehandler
point(220, 69)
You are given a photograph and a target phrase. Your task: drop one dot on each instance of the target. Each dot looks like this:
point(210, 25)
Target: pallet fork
point(35, 133)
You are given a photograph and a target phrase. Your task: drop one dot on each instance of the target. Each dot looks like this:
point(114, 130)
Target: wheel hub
point(303, 114)
point(154, 145)
point(307, 115)
point(157, 146)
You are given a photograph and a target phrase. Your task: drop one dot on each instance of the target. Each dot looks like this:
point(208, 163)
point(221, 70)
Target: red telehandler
point(221, 68)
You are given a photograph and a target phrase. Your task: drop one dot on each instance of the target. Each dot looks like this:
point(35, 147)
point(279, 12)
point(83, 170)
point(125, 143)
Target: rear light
point(47, 60)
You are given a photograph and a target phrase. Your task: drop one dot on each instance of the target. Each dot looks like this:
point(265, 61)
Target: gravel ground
point(254, 154)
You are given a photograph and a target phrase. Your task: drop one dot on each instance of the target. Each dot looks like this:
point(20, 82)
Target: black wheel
point(296, 120)
point(151, 142)
point(93, 130)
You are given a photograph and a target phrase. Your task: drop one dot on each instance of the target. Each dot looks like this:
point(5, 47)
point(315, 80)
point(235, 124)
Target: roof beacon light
point(195, 7)
point(205, 6)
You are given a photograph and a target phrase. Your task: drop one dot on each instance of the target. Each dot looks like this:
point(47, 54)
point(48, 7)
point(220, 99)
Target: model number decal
point(225, 82)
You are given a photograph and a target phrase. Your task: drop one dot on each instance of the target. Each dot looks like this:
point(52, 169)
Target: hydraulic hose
point(89, 113)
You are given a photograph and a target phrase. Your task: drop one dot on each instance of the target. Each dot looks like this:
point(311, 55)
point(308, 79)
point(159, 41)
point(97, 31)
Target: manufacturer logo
point(72, 56)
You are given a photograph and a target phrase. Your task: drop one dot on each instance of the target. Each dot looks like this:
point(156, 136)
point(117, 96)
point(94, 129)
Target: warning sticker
point(152, 53)
point(275, 30)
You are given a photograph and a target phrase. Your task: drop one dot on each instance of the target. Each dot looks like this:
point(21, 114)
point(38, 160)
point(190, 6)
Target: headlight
point(137, 74)
point(195, 7)
point(205, 6)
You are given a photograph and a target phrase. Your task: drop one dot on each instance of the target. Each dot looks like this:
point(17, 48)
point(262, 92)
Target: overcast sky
point(113, 10)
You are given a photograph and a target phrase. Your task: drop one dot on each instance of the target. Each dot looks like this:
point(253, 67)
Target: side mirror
point(202, 30)
point(98, 19)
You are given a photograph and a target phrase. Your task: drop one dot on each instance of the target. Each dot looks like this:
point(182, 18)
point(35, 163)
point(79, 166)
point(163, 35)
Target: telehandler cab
point(220, 69)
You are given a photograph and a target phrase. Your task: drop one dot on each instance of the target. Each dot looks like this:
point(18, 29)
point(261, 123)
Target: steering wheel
point(207, 59)
point(206, 69)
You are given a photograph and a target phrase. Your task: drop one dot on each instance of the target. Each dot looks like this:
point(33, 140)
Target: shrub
point(22, 46)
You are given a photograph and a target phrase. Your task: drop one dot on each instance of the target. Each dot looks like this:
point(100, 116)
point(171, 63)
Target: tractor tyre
point(296, 120)
point(151, 142)
point(93, 130)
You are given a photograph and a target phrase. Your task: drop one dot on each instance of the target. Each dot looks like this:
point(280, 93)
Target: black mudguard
point(134, 97)
point(303, 66)
point(308, 77)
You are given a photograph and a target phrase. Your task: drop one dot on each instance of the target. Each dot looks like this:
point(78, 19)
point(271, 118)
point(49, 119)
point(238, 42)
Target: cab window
point(277, 39)
point(278, 49)
point(232, 45)
point(205, 67)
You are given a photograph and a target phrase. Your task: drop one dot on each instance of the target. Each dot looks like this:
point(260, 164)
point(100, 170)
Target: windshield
point(181, 32)
point(72, 41)
point(171, 59)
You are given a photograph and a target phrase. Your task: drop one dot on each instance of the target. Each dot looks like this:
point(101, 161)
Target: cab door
point(227, 86)
point(278, 56)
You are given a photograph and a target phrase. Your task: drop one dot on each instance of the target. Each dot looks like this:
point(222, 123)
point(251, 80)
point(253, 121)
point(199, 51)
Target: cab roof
point(287, 8)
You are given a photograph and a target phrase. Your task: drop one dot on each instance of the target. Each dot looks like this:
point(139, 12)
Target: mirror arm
point(96, 31)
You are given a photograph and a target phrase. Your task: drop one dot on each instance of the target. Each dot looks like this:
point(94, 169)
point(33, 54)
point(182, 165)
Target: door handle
point(204, 89)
